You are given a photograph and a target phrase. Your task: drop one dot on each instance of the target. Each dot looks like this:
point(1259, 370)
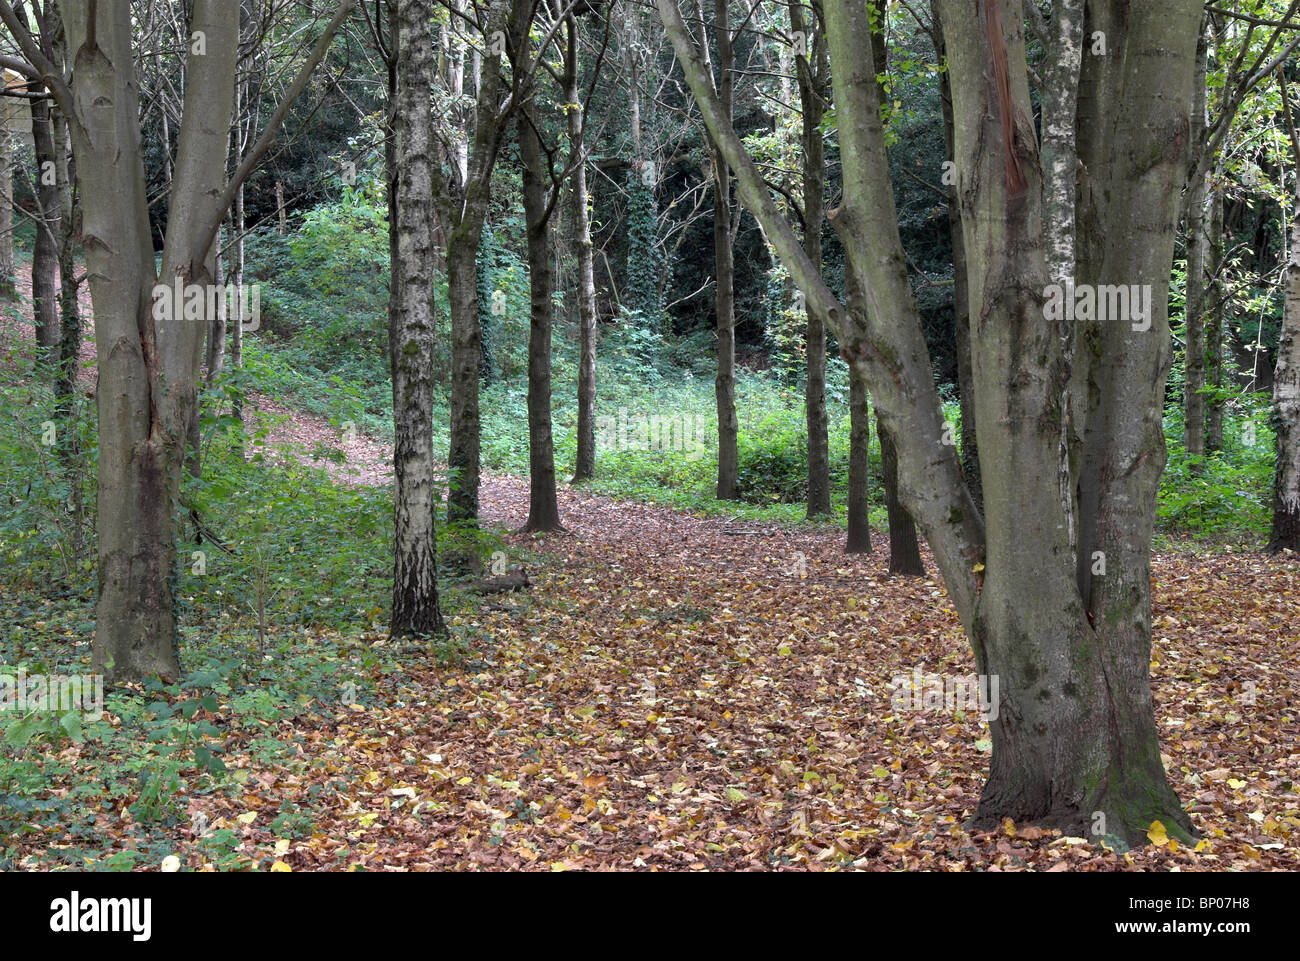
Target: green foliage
point(645, 263)
point(1226, 495)
point(39, 542)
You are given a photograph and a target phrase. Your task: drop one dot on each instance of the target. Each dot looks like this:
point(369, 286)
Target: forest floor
point(684, 693)
point(690, 693)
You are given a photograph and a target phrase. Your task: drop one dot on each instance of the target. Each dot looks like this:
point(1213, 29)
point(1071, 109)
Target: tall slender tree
point(411, 336)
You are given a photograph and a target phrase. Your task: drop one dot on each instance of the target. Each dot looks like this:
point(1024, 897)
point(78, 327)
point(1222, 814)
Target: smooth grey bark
point(812, 71)
point(412, 335)
point(904, 550)
point(970, 464)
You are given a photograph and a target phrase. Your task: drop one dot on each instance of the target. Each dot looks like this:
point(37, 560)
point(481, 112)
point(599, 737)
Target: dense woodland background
point(590, 262)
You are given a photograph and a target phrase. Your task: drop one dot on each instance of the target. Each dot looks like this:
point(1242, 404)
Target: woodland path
point(671, 694)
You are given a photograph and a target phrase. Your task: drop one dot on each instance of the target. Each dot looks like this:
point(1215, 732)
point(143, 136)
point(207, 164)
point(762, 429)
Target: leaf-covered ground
point(674, 693)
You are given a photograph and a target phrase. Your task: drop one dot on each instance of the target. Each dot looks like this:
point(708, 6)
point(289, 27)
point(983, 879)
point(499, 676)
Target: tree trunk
point(543, 507)
point(1285, 534)
point(218, 323)
point(724, 301)
point(466, 352)
point(45, 252)
point(585, 467)
point(462, 211)
point(1194, 357)
point(67, 406)
point(1214, 314)
point(148, 352)
point(1075, 742)
point(7, 288)
point(812, 72)
point(135, 618)
point(970, 452)
point(1197, 243)
point(859, 538)
point(282, 216)
point(412, 337)
point(904, 550)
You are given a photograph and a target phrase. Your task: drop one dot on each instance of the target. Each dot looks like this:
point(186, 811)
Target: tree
point(724, 270)
point(412, 332)
point(461, 197)
point(813, 75)
point(1052, 584)
point(45, 250)
point(1285, 532)
point(148, 353)
point(575, 109)
point(540, 194)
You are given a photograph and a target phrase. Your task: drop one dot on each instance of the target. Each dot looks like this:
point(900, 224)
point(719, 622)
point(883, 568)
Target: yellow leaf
point(248, 817)
point(280, 867)
point(281, 847)
point(171, 864)
point(1156, 833)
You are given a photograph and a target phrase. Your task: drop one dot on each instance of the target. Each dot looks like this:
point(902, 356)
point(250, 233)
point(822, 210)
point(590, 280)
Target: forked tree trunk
point(148, 355)
point(412, 335)
point(1075, 742)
